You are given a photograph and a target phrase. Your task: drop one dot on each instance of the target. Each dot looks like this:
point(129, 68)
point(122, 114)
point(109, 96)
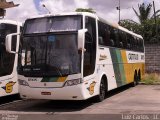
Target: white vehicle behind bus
point(76, 56)
point(8, 61)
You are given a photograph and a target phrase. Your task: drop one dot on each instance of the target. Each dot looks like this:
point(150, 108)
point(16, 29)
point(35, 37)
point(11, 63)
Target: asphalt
point(127, 103)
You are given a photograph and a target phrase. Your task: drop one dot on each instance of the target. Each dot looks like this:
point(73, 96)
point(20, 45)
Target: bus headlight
point(23, 82)
point(73, 82)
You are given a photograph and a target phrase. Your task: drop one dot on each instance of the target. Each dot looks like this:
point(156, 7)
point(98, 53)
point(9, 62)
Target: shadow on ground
point(10, 98)
point(56, 106)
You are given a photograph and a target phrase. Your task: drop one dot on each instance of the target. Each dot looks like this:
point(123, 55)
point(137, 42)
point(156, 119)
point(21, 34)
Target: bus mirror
point(8, 43)
point(81, 37)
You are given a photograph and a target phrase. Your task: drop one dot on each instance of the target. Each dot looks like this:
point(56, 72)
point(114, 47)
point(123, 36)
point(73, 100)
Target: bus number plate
point(45, 93)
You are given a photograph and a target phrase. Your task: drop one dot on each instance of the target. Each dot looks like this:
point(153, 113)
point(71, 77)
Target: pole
point(155, 18)
point(119, 11)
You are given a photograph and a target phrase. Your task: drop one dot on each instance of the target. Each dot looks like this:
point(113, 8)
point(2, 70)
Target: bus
point(8, 61)
point(76, 56)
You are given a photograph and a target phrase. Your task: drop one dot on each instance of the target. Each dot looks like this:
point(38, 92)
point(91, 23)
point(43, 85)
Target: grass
point(151, 79)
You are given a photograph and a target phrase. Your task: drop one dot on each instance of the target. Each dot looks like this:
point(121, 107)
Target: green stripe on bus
point(121, 67)
point(118, 66)
point(115, 66)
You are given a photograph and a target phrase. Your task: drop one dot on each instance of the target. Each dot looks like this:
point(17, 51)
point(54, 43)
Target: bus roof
point(130, 32)
point(10, 22)
point(65, 14)
point(115, 25)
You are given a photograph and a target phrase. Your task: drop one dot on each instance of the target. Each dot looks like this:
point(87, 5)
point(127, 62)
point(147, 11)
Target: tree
point(144, 12)
point(85, 10)
point(146, 26)
point(130, 25)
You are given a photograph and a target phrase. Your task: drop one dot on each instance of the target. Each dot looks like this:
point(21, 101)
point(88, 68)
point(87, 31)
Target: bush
point(151, 79)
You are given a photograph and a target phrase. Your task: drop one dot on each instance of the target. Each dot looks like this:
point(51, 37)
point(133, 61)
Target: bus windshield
point(50, 55)
point(53, 24)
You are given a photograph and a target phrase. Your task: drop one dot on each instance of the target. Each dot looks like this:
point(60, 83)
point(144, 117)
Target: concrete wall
point(152, 57)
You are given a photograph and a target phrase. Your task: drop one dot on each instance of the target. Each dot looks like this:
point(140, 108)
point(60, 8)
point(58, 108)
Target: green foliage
point(151, 79)
point(144, 12)
point(146, 26)
point(131, 25)
point(85, 10)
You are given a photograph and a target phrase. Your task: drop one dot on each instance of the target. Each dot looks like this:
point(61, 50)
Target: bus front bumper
point(75, 92)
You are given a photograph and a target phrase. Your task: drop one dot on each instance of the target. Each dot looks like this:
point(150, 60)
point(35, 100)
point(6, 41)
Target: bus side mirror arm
point(80, 50)
point(81, 37)
point(8, 42)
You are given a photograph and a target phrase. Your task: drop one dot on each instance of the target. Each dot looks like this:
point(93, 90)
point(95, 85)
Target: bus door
point(90, 46)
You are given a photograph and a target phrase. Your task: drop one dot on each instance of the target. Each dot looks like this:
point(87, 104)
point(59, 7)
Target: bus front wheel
point(102, 91)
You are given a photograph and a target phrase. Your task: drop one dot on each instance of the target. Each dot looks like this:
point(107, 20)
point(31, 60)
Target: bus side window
point(141, 45)
point(136, 44)
point(112, 37)
point(124, 40)
point(132, 42)
point(103, 34)
point(128, 37)
point(116, 38)
point(100, 36)
point(120, 39)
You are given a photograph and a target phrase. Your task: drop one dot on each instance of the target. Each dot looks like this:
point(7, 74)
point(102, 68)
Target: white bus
point(76, 56)
point(8, 61)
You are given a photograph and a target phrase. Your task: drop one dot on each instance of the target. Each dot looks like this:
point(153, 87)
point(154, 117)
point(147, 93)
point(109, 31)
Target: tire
point(139, 76)
point(102, 91)
point(135, 82)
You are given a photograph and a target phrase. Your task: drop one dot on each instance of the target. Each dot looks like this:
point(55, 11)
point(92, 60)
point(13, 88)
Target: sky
point(104, 8)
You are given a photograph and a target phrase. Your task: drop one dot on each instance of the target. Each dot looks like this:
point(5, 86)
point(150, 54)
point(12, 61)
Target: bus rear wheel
point(102, 91)
point(139, 76)
point(135, 82)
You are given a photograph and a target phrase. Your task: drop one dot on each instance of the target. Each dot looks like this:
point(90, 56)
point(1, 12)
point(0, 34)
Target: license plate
point(45, 93)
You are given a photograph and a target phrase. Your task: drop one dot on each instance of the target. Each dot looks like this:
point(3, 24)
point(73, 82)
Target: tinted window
point(90, 46)
point(6, 59)
point(104, 34)
point(110, 36)
point(53, 24)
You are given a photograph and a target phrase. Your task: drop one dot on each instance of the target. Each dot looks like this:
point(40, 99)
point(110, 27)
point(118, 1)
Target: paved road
point(125, 103)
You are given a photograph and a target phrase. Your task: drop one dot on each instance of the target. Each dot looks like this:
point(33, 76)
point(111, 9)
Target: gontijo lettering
point(132, 56)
